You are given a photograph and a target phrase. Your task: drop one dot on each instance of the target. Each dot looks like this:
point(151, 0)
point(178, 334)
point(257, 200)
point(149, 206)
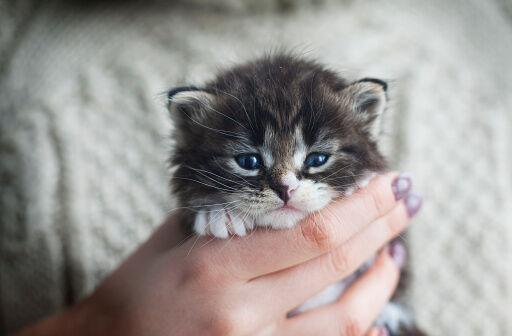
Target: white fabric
point(83, 134)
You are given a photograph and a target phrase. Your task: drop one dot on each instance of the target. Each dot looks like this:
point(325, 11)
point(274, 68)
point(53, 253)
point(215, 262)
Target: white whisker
point(206, 184)
point(209, 172)
point(192, 247)
point(235, 174)
point(337, 171)
point(210, 178)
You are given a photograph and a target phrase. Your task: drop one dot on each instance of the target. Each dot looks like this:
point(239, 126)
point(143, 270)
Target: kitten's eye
point(315, 160)
point(249, 161)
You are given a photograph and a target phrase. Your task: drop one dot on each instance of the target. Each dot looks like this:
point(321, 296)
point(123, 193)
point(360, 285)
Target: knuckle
point(221, 326)
point(320, 235)
point(389, 226)
point(339, 261)
point(394, 222)
point(224, 323)
point(379, 201)
point(198, 270)
point(351, 327)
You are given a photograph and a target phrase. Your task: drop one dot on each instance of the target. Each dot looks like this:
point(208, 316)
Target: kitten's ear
point(188, 103)
point(367, 99)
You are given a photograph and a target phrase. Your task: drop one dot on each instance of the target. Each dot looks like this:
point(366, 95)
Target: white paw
point(360, 183)
point(365, 180)
point(220, 223)
point(349, 191)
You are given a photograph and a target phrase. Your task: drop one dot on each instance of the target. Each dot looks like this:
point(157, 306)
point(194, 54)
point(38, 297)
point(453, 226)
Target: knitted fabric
point(83, 134)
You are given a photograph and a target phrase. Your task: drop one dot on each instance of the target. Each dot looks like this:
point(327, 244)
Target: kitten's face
point(274, 140)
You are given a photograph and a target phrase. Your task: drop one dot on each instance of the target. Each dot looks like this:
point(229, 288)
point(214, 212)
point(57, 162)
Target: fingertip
point(401, 185)
point(413, 202)
point(379, 196)
point(389, 177)
point(385, 261)
point(397, 219)
point(398, 253)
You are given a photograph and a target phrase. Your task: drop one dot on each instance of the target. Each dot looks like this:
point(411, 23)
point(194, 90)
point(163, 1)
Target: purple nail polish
point(398, 253)
point(401, 185)
point(413, 202)
point(383, 331)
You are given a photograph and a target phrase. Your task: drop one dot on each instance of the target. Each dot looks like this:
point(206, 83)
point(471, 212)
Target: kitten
point(268, 142)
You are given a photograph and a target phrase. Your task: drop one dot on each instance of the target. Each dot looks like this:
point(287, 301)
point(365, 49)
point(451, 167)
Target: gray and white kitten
point(268, 142)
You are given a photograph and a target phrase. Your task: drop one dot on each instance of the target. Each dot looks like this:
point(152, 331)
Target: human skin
point(246, 285)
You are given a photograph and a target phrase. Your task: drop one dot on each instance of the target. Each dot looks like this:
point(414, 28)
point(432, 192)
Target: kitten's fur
point(281, 108)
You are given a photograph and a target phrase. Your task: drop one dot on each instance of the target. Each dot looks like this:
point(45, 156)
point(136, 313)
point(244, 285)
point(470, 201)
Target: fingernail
point(398, 253)
point(383, 331)
point(401, 185)
point(413, 202)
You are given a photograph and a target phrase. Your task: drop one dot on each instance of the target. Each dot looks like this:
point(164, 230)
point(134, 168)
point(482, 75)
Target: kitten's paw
point(239, 224)
point(360, 183)
point(201, 226)
point(365, 180)
point(220, 223)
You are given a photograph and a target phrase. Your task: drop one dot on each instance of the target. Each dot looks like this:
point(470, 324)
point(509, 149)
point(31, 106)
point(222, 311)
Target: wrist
point(78, 320)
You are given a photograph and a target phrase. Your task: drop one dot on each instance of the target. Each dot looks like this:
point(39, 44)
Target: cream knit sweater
point(83, 134)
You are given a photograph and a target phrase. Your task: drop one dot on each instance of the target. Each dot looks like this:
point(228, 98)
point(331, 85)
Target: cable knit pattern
point(83, 134)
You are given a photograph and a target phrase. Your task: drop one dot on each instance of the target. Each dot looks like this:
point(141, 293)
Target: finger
point(356, 309)
point(270, 251)
point(319, 273)
point(168, 234)
point(164, 238)
point(378, 331)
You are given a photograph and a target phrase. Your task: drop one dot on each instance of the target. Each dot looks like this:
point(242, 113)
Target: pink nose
point(284, 192)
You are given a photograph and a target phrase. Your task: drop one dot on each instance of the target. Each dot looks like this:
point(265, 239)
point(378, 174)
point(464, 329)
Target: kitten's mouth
point(287, 208)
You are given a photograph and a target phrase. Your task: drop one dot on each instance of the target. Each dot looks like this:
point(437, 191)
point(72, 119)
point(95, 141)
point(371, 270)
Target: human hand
point(246, 285)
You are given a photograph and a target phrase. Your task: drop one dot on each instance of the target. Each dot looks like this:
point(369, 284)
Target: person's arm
point(247, 285)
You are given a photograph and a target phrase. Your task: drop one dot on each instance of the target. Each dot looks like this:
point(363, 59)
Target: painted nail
point(383, 331)
point(413, 202)
point(401, 185)
point(398, 253)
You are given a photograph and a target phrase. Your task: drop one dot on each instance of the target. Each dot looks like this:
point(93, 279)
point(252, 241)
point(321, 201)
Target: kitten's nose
point(283, 191)
point(286, 186)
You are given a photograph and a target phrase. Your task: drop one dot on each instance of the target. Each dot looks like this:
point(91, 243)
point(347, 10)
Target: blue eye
point(315, 160)
point(249, 161)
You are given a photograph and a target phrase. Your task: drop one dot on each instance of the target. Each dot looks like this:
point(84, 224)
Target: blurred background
point(84, 133)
